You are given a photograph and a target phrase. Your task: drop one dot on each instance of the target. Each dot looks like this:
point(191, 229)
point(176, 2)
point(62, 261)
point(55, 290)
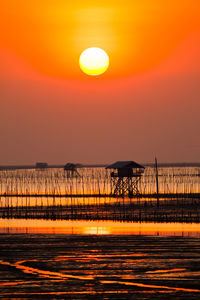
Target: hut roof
point(70, 166)
point(124, 164)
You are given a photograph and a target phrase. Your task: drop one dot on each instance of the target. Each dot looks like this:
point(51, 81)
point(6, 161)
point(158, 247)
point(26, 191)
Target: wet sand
point(52, 266)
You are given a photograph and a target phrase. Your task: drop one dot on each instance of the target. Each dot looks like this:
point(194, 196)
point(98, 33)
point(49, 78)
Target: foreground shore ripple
point(99, 267)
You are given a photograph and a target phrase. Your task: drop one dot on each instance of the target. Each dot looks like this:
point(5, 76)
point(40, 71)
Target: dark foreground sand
point(48, 266)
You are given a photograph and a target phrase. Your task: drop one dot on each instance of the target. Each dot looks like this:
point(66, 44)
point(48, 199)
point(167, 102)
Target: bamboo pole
point(157, 187)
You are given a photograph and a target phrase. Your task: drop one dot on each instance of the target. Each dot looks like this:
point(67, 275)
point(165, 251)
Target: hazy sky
point(146, 104)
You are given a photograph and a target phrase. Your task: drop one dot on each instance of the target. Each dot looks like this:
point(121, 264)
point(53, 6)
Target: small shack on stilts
point(125, 177)
point(71, 170)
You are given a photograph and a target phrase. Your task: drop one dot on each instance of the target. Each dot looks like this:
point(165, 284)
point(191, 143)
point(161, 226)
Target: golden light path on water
point(58, 275)
point(98, 227)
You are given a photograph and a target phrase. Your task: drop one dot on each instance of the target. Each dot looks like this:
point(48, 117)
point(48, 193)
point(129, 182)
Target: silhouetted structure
point(71, 170)
point(125, 180)
point(41, 165)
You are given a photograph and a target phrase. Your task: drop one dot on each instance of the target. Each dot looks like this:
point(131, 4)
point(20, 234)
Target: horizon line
point(79, 165)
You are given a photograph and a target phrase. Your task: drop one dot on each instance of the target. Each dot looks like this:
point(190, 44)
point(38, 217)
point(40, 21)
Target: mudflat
point(99, 266)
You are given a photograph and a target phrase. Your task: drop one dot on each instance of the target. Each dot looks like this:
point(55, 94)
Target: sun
point(94, 61)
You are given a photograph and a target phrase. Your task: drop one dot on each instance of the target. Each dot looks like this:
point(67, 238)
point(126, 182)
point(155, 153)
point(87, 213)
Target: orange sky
point(51, 111)
point(138, 35)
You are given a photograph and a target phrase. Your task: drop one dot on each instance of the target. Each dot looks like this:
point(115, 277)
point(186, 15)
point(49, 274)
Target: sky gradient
point(146, 104)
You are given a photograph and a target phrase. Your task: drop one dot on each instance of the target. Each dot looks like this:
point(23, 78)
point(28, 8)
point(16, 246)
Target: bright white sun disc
point(94, 61)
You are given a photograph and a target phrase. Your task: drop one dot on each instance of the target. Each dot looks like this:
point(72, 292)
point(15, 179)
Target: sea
point(44, 258)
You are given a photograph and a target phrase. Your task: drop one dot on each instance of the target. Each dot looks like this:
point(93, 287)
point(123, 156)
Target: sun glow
point(94, 61)
point(52, 42)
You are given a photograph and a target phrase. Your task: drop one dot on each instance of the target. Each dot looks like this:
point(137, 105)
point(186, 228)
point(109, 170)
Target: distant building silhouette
point(71, 170)
point(41, 165)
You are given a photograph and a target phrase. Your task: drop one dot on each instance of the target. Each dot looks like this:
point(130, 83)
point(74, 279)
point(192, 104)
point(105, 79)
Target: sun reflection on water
point(98, 227)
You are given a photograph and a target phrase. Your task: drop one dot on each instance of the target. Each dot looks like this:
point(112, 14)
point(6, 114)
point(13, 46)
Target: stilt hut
point(71, 170)
point(41, 165)
point(125, 177)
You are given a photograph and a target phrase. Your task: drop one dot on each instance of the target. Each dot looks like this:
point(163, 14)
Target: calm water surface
point(98, 227)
